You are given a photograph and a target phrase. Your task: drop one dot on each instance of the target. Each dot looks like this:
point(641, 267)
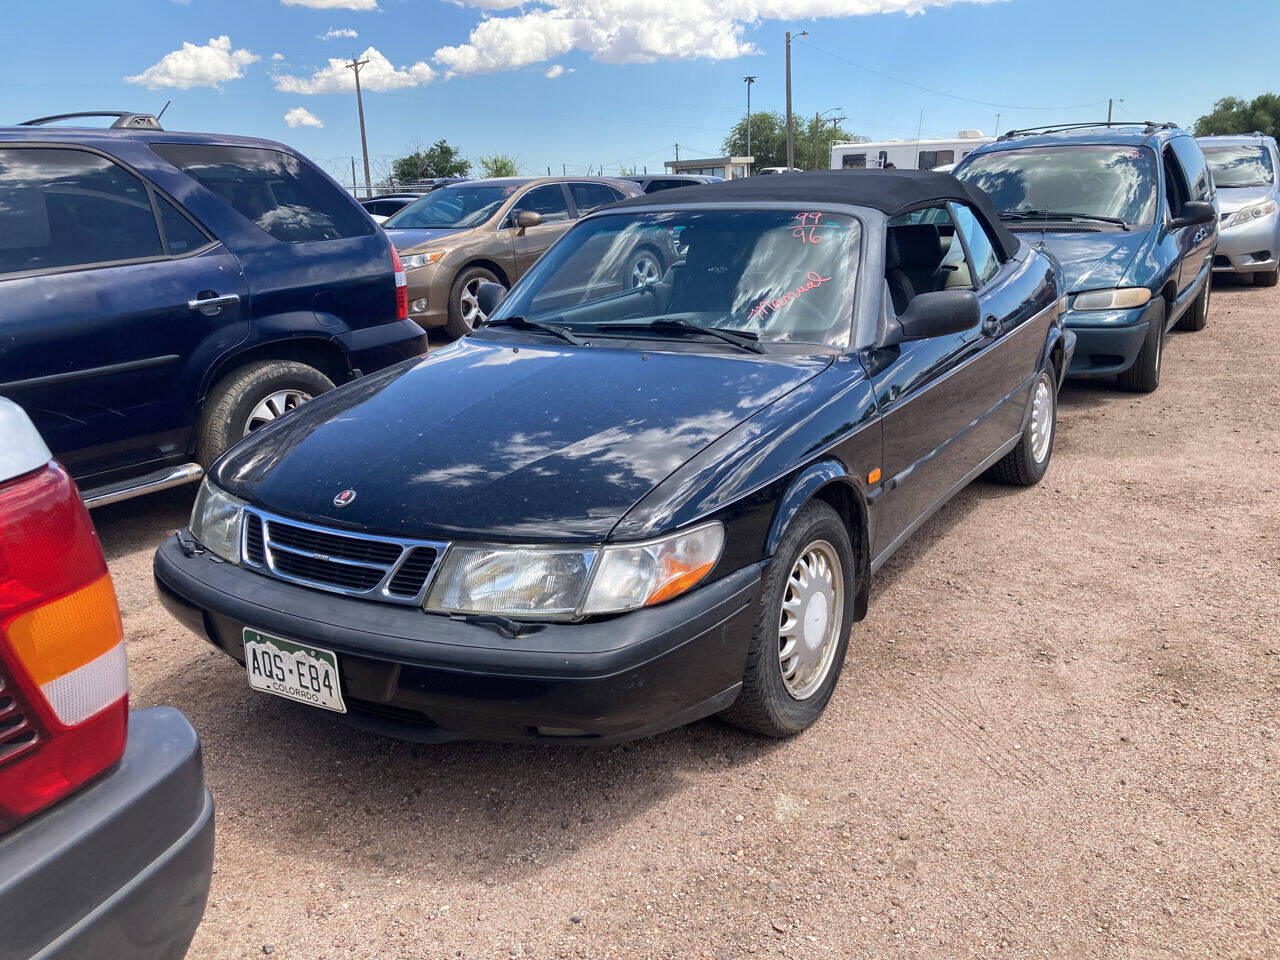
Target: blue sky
point(634, 76)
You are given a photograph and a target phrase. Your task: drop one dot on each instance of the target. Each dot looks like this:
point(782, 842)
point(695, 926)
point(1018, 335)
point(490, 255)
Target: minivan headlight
point(1121, 298)
point(561, 583)
point(215, 522)
point(1254, 211)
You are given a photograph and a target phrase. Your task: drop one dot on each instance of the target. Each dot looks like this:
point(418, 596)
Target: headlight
point(422, 259)
point(1122, 298)
point(1255, 212)
point(215, 522)
point(538, 582)
point(640, 575)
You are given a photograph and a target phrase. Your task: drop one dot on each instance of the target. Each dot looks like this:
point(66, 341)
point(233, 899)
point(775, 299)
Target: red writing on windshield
point(766, 307)
point(807, 232)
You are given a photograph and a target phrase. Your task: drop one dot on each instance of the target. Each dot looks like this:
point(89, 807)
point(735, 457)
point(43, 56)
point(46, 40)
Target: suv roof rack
point(123, 120)
point(1149, 127)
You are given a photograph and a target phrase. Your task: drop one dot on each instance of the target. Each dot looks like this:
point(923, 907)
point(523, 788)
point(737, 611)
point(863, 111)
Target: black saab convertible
point(620, 506)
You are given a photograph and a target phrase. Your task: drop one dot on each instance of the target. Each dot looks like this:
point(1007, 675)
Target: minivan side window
point(71, 208)
point(1175, 183)
point(982, 252)
point(279, 192)
point(1191, 158)
point(547, 200)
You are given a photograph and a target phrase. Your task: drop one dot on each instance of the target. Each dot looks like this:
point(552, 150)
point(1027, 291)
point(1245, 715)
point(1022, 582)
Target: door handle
point(991, 327)
point(210, 306)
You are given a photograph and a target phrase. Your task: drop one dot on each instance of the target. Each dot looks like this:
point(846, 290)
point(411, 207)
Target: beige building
point(730, 168)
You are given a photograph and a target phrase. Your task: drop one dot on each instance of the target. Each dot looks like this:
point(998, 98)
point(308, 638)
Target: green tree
point(438, 160)
point(769, 140)
point(500, 165)
point(1233, 115)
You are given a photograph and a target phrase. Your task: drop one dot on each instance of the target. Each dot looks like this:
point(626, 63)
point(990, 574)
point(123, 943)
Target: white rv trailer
point(906, 154)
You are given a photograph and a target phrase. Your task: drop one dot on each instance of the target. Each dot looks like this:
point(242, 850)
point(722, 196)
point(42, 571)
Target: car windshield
point(1098, 181)
point(1239, 166)
point(466, 205)
point(775, 275)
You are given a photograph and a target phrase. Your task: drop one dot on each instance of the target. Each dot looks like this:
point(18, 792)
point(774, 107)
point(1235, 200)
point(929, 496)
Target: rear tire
point(250, 397)
point(799, 611)
point(1144, 375)
point(464, 313)
point(1198, 313)
point(1268, 279)
point(1028, 462)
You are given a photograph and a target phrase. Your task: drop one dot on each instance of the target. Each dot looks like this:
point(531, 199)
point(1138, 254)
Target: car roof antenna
point(163, 109)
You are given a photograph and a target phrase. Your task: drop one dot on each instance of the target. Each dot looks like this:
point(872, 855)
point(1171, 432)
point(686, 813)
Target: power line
point(941, 93)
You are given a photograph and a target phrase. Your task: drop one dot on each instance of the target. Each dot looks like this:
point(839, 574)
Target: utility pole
point(677, 153)
point(818, 120)
point(354, 185)
point(1111, 102)
point(749, 81)
point(364, 143)
point(997, 133)
point(791, 156)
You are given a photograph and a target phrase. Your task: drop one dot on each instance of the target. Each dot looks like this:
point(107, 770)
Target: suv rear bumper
point(424, 676)
point(372, 348)
point(119, 870)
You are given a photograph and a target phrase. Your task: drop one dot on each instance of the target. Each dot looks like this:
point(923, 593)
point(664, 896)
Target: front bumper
point(430, 283)
point(372, 348)
point(1249, 248)
point(119, 870)
point(1108, 341)
point(421, 676)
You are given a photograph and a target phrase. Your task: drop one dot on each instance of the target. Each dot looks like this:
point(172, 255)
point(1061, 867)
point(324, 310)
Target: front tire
point(1198, 314)
point(1028, 462)
point(802, 627)
point(1267, 278)
point(251, 397)
point(464, 306)
point(644, 268)
point(1144, 375)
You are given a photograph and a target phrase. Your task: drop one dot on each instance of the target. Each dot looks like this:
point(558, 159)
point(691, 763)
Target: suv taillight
point(402, 287)
point(63, 674)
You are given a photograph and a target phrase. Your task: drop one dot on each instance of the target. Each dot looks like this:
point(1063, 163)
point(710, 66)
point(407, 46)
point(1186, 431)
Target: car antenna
point(163, 109)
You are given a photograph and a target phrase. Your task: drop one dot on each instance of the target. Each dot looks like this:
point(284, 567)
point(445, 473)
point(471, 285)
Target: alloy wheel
point(469, 302)
point(274, 406)
point(811, 618)
point(1042, 419)
point(644, 271)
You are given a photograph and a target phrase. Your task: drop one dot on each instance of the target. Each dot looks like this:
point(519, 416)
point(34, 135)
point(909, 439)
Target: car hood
point(407, 239)
point(1091, 261)
point(485, 439)
point(1231, 199)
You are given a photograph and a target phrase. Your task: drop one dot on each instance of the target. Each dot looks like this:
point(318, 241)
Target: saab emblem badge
point(345, 497)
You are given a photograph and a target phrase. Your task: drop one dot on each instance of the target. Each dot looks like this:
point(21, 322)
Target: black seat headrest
point(913, 245)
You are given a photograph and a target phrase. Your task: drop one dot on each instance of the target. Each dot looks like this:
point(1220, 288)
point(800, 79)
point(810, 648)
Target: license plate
point(292, 670)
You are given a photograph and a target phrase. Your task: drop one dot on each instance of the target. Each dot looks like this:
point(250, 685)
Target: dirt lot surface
point(1057, 734)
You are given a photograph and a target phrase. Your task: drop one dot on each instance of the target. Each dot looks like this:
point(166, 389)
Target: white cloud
point(277, 57)
point(639, 31)
point(377, 74)
point(193, 66)
point(333, 4)
point(555, 70)
point(302, 117)
point(334, 33)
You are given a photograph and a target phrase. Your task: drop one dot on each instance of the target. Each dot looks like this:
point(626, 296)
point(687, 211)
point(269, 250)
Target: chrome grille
point(388, 569)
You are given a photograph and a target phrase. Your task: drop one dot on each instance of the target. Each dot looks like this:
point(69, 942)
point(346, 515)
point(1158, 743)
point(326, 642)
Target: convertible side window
point(923, 255)
point(986, 262)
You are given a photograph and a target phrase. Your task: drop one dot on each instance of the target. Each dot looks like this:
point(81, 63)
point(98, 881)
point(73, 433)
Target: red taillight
point(63, 680)
point(402, 287)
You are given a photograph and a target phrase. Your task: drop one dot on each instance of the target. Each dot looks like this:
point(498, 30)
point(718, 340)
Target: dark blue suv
point(1129, 213)
point(167, 293)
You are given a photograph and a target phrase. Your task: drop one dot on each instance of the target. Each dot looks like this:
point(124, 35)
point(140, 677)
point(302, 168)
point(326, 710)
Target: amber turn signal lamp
point(874, 476)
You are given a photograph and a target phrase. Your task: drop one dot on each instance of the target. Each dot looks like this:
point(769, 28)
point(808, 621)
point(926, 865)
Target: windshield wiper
point(524, 323)
point(746, 339)
point(1061, 215)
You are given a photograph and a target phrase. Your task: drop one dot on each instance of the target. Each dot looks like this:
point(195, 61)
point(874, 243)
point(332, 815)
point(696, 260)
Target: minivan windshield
point(768, 275)
point(466, 205)
point(1240, 165)
point(1096, 181)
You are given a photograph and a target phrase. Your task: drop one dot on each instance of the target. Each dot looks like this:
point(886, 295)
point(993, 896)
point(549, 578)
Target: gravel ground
point(1055, 735)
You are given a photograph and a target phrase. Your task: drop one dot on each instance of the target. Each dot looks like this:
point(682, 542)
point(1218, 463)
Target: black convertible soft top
point(889, 191)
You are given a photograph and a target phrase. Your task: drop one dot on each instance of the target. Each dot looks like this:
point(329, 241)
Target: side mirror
point(937, 314)
point(1193, 212)
point(489, 295)
point(526, 219)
